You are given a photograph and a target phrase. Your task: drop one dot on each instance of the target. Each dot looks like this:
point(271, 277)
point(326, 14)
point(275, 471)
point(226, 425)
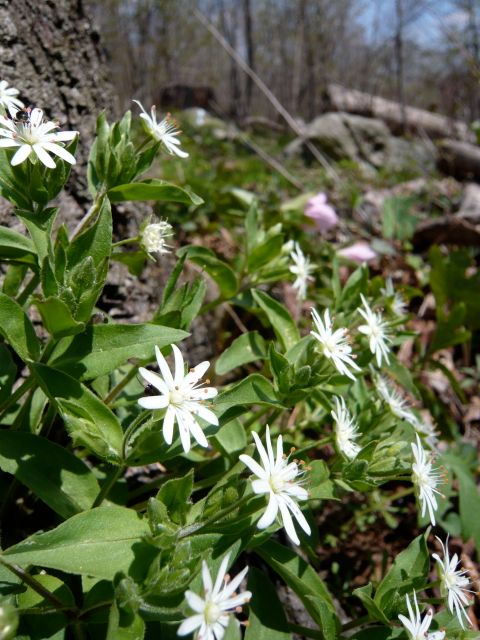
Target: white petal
point(61, 152)
point(300, 518)
point(154, 379)
point(164, 368)
point(196, 373)
point(253, 466)
point(179, 365)
point(221, 574)
point(232, 586)
point(43, 156)
point(153, 402)
point(270, 513)
point(288, 522)
point(261, 486)
point(206, 578)
point(189, 625)
point(184, 429)
point(195, 602)
point(168, 423)
point(5, 143)
point(261, 450)
point(205, 414)
point(22, 154)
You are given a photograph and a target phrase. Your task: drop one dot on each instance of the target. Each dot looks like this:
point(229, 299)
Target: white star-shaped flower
point(396, 302)
point(334, 344)
point(376, 331)
point(8, 99)
point(398, 405)
point(182, 397)
point(425, 479)
point(154, 237)
point(415, 626)
point(346, 431)
point(453, 584)
point(302, 268)
point(37, 136)
point(165, 131)
point(219, 601)
point(277, 479)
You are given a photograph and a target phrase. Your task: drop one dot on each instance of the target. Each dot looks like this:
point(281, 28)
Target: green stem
point(28, 289)
point(110, 480)
point(91, 213)
point(118, 387)
point(355, 623)
point(195, 528)
point(120, 243)
point(71, 612)
point(313, 445)
point(18, 393)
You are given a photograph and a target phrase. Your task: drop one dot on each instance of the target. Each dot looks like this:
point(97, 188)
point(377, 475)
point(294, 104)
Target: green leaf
point(408, 572)
point(40, 226)
point(15, 246)
point(55, 475)
point(356, 284)
point(218, 270)
point(254, 389)
point(320, 485)
point(102, 348)
point(8, 372)
point(306, 583)
point(153, 189)
point(124, 625)
point(282, 322)
point(468, 494)
point(246, 348)
point(57, 318)
point(231, 438)
point(99, 543)
point(267, 619)
point(88, 420)
point(265, 253)
point(95, 242)
point(13, 184)
point(175, 495)
point(365, 595)
point(16, 328)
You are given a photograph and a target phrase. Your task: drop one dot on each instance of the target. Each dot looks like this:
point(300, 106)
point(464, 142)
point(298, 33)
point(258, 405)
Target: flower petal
point(270, 513)
point(153, 402)
point(22, 154)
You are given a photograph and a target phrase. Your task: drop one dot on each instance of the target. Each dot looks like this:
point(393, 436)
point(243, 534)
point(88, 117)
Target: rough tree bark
point(50, 51)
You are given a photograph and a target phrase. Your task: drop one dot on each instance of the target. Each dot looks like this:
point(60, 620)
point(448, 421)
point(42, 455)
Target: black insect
point(23, 115)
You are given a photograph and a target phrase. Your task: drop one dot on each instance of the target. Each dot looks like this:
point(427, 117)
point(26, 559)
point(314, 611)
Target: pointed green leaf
point(99, 543)
point(153, 189)
point(54, 474)
point(282, 322)
point(246, 348)
point(16, 328)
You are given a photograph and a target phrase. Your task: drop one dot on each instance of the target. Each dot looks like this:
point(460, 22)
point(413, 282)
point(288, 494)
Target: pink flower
point(358, 252)
point(321, 213)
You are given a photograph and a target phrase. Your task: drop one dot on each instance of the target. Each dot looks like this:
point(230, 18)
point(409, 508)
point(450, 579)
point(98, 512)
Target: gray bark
point(50, 52)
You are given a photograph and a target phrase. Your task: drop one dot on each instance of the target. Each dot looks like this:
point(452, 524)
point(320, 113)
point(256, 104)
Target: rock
point(459, 159)
point(365, 141)
point(470, 205)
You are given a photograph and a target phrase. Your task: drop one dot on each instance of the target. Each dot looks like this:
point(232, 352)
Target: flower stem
point(126, 436)
point(91, 213)
point(120, 243)
point(118, 387)
point(355, 623)
point(195, 528)
point(28, 289)
point(18, 393)
point(110, 480)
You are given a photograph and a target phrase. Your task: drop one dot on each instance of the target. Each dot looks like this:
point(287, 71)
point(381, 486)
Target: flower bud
point(321, 213)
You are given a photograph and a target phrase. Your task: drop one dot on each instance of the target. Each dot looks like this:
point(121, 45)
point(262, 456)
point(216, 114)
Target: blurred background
point(419, 52)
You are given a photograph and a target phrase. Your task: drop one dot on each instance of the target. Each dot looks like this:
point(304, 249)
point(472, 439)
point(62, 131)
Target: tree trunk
point(247, 15)
point(50, 52)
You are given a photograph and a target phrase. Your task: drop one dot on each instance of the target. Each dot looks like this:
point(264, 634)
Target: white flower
point(277, 478)
point(335, 344)
point(415, 626)
point(398, 405)
point(346, 431)
point(8, 99)
point(154, 236)
point(302, 268)
point(213, 610)
point(425, 479)
point(35, 135)
point(396, 303)
point(164, 131)
point(182, 397)
point(424, 427)
point(376, 331)
point(453, 583)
